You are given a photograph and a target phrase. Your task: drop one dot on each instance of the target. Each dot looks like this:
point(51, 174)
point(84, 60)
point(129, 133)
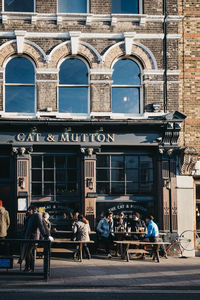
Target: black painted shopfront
point(90, 167)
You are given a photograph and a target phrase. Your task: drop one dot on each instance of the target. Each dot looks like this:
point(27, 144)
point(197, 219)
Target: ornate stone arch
point(63, 50)
point(141, 52)
point(30, 49)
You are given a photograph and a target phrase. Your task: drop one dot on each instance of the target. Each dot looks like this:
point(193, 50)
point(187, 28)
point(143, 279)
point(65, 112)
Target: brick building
point(189, 99)
point(90, 108)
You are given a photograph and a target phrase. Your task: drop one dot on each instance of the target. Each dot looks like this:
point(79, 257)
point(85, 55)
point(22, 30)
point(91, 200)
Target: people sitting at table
point(81, 230)
point(106, 232)
point(137, 225)
point(152, 230)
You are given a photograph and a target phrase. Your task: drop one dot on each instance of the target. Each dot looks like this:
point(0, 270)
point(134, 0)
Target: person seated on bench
point(120, 226)
point(152, 230)
point(136, 224)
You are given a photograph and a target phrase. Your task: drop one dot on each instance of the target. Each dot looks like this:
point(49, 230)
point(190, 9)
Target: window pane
point(146, 161)
point(125, 6)
point(131, 161)
point(72, 187)
point(36, 175)
point(72, 6)
point(20, 70)
point(36, 189)
point(73, 71)
point(72, 162)
point(72, 175)
point(126, 72)
point(4, 167)
point(125, 100)
point(117, 188)
point(48, 175)
point(20, 99)
point(48, 189)
point(147, 187)
point(19, 5)
point(132, 175)
point(103, 175)
point(48, 161)
point(61, 189)
point(73, 100)
point(132, 187)
point(117, 175)
point(146, 175)
point(36, 161)
point(61, 175)
point(103, 188)
point(103, 161)
point(117, 161)
point(60, 162)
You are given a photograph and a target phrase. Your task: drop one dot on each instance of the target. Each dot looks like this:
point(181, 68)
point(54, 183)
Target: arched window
point(73, 6)
point(19, 5)
point(73, 86)
point(126, 88)
point(126, 6)
point(20, 86)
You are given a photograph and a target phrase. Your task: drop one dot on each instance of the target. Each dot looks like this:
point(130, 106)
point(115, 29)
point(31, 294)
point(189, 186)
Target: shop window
point(125, 6)
point(4, 167)
point(72, 6)
point(20, 86)
point(73, 86)
point(124, 174)
point(126, 88)
point(19, 5)
point(54, 177)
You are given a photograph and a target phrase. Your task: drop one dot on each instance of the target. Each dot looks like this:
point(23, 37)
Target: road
point(97, 294)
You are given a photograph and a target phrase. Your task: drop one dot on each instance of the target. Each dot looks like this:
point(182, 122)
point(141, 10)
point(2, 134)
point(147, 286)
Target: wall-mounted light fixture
point(89, 183)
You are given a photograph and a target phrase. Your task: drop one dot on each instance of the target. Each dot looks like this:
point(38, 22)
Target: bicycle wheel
point(188, 239)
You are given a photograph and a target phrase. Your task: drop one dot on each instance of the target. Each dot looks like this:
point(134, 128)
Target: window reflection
point(20, 86)
point(126, 87)
point(125, 6)
point(19, 5)
point(73, 86)
point(72, 6)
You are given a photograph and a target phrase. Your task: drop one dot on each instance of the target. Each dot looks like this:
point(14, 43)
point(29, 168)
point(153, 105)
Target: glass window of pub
point(73, 86)
point(125, 182)
point(20, 86)
point(126, 87)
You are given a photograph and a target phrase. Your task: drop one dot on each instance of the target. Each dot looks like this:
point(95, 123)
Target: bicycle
point(188, 240)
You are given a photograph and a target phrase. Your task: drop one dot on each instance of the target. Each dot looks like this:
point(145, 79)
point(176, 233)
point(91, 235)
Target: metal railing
point(13, 254)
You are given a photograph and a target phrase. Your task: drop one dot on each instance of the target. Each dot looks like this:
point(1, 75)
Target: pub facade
point(89, 101)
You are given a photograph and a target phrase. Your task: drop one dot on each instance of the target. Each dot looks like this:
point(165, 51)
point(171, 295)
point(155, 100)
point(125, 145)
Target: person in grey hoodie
point(106, 232)
point(81, 230)
point(4, 221)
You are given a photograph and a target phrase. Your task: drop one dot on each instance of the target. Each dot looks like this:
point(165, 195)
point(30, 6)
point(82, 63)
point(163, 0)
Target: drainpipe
point(165, 55)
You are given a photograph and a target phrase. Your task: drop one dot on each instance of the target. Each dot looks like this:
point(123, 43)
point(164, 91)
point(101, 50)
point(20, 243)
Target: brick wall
point(189, 55)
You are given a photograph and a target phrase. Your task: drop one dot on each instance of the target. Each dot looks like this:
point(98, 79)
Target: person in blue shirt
point(106, 232)
point(152, 230)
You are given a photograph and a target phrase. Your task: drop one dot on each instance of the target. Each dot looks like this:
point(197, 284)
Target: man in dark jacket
point(136, 225)
point(33, 229)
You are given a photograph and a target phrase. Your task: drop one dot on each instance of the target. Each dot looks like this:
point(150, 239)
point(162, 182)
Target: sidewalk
point(175, 273)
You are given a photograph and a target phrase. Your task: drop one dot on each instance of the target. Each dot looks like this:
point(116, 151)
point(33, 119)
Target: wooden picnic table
point(63, 242)
point(155, 247)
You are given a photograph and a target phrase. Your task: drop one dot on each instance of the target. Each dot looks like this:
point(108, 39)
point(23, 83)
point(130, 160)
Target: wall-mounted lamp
point(156, 107)
point(89, 183)
point(167, 184)
point(21, 183)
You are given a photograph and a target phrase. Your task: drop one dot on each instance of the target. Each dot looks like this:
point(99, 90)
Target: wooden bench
point(155, 247)
point(135, 251)
point(63, 243)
